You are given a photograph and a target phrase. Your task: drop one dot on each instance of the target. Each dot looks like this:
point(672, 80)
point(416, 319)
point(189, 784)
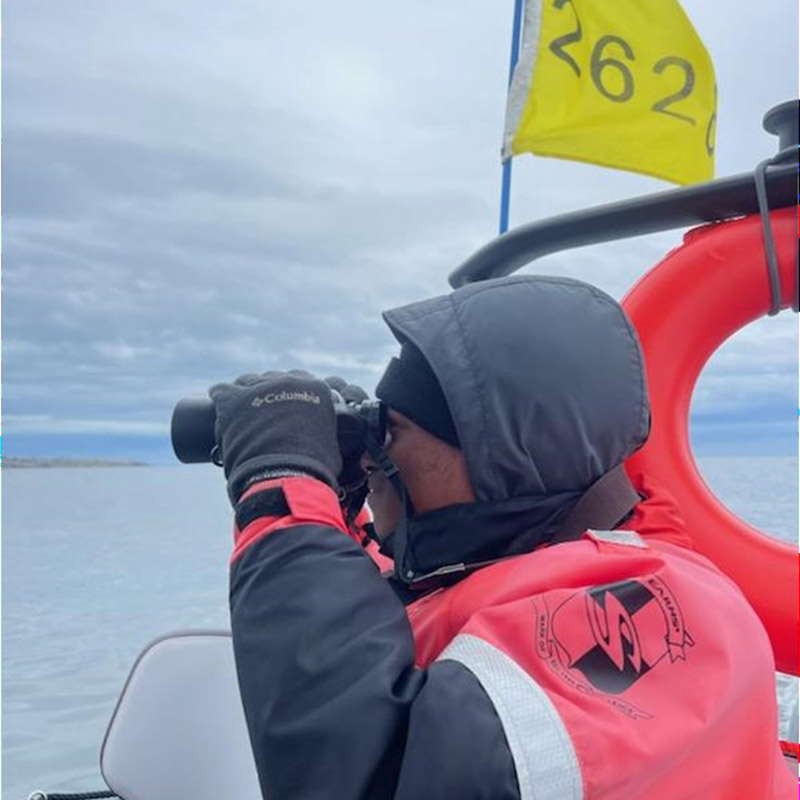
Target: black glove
point(272, 423)
point(352, 479)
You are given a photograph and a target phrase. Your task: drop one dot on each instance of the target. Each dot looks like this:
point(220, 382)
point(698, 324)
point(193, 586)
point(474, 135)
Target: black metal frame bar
point(716, 200)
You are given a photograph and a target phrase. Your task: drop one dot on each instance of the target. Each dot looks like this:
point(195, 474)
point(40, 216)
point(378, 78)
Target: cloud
point(189, 196)
point(59, 174)
point(57, 425)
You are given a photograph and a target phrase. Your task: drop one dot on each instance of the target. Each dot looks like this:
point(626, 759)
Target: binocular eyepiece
point(194, 418)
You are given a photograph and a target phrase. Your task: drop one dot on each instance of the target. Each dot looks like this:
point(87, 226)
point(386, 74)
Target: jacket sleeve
point(325, 658)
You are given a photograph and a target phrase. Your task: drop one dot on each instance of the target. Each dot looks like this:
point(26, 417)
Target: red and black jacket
point(490, 690)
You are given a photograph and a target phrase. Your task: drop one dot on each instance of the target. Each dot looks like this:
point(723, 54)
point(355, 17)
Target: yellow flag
point(622, 83)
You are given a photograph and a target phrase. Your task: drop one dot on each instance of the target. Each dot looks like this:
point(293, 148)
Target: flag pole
point(505, 192)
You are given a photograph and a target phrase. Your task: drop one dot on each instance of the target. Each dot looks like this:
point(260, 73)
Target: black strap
point(399, 539)
point(787, 154)
point(266, 503)
point(602, 507)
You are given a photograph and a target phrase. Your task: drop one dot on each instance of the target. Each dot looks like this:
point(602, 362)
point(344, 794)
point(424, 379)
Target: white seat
point(178, 731)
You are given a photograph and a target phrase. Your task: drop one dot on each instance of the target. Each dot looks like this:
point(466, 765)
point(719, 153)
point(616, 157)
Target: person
point(548, 632)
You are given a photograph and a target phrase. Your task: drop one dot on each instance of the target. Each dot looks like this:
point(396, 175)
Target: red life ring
point(704, 291)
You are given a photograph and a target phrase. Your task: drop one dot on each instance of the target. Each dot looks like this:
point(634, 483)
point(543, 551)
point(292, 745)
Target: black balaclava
point(410, 387)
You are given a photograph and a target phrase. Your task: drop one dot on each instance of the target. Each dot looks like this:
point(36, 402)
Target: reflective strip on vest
point(618, 536)
point(544, 758)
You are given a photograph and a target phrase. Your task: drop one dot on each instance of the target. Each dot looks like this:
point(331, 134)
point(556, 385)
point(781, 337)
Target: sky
point(196, 190)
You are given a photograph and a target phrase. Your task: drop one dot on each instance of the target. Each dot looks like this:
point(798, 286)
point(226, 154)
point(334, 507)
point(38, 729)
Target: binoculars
point(194, 418)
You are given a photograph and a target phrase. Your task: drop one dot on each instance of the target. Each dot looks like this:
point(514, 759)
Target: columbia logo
point(281, 397)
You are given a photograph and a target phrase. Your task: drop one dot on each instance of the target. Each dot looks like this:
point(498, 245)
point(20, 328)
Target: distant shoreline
point(49, 463)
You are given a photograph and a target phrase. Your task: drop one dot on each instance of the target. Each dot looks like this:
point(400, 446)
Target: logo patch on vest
point(612, 635)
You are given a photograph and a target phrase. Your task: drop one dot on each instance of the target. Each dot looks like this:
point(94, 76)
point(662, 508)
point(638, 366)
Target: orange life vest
point(622, 666)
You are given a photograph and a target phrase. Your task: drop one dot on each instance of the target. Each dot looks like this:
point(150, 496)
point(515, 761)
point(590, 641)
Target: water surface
point(98, 562)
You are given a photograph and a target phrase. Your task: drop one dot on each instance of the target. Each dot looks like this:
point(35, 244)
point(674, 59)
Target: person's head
point(423, 443)
point(434, 473)
point(525, 389)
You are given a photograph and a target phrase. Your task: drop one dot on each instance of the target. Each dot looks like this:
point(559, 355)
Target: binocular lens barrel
point(193, 423)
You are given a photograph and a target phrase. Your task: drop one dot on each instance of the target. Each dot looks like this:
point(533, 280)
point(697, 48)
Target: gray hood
point(544, 378)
